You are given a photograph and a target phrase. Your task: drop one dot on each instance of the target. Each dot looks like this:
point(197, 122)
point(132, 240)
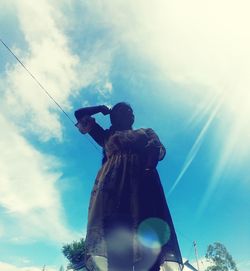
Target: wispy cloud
point(49, 57)
point(28, 191)
point(60, 70)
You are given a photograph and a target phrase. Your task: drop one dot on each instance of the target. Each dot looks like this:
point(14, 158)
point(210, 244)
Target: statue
point(129, 222)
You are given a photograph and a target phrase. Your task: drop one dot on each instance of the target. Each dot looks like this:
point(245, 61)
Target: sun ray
point(197, 144)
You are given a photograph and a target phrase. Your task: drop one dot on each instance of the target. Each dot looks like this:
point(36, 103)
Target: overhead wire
point(42, 87)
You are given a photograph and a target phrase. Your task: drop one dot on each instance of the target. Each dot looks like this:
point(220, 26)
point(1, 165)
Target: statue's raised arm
point(87, 124)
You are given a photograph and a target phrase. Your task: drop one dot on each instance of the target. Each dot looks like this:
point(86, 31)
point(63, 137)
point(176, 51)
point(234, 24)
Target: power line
point(42, 87)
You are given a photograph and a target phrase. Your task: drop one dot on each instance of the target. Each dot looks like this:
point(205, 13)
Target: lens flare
point(153, 232)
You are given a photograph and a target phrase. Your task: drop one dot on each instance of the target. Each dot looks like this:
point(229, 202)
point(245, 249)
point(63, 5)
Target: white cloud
point(201, 45)
point(28, 191)
point(49, 57)
point(10, 267)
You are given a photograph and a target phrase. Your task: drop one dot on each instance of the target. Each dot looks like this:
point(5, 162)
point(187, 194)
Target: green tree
point(218, 255)
point(75, 252)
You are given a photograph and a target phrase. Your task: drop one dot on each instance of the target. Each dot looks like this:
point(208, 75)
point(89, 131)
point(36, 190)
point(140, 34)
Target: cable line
point(40, 85)
point(43, 88)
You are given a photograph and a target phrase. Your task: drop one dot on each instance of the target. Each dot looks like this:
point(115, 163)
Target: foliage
point(220, 258)
point(74, 252)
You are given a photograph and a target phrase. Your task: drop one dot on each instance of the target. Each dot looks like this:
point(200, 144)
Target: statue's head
point(121, 116)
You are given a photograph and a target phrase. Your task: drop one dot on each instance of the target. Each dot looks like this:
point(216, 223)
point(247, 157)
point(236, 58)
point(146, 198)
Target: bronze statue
point(129, 222)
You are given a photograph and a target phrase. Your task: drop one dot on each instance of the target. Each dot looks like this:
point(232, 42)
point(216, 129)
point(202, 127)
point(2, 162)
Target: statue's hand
point(85, 124)
point(105, 110)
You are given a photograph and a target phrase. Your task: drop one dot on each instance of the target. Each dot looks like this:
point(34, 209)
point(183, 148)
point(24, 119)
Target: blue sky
point(184, 69)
